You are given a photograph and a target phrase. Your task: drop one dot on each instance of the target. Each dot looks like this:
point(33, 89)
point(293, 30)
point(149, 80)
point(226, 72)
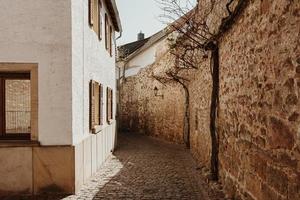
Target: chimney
point(140, 36)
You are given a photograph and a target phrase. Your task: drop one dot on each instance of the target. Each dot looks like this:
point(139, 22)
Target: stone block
point(54, 170)
point(294, 187)
point(16, 170)
point(291, 99)
point(280, 135)
point(252, 184)
point(230, 187)
point(268, 193)
point(278, 180)
point(258, 164)
point(294, 117)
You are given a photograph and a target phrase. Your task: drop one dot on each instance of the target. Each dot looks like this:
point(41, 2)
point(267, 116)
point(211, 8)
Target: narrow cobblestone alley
point(146, 168)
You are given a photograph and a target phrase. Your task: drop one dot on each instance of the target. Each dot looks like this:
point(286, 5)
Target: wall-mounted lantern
point(156, 93)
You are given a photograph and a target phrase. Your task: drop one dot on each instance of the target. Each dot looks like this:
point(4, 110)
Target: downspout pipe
point(118, 89)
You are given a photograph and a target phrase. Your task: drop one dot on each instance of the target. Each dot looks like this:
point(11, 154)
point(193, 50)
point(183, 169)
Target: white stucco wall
point(145, 58)
point(90, 60)
point(57, 36)
point(39, 31)
point(141, 60)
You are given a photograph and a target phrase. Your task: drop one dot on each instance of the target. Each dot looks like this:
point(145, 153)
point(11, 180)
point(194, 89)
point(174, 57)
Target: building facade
point(57, 78)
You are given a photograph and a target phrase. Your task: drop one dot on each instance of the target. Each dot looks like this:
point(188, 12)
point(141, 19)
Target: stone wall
point(258, 111)
point(143, 112)
point(200, 92)
point(259, 108)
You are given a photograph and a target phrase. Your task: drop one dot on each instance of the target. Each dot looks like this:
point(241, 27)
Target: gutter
point(117, 15)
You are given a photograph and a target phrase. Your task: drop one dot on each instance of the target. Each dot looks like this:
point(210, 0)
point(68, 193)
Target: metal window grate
point(17, 106)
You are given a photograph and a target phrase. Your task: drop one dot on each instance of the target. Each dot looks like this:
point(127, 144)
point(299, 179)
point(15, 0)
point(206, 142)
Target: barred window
point(15, 105)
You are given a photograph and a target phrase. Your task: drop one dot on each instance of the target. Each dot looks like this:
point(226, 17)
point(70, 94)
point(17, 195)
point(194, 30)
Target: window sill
point(18, 143)
point(97, 129)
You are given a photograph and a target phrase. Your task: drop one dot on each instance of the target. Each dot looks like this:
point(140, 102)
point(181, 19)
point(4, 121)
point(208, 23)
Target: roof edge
point(115, 13)
point(149, 44)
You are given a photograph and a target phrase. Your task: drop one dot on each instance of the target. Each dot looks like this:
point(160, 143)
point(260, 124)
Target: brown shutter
point(106, 31)
point(101, 104)
point(96, 99)
point(99, 20)
point(95, 17)
point(111, 104)
point(110, 40)
point(108, 106)
point(92, 105)
point(91, 13)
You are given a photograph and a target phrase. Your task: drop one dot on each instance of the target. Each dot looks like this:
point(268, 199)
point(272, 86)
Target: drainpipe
point(119, 36)
point(117, 99)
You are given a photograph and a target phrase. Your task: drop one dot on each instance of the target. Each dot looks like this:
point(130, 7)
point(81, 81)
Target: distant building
point(141, 53)
point(145, 105)
point(57, 85)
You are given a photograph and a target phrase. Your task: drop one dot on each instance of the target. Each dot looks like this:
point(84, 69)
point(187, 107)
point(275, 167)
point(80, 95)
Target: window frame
point(19, 69)
point(110, 40)
point(109, 105)
point(3, 77)
point(106, 31)
point(90, 13)
point(95, 107)
point(99, 20)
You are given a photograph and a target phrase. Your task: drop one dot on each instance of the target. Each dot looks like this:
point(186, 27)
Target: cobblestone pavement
point(146, 168)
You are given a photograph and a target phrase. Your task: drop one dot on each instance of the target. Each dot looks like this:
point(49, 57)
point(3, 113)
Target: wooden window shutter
point(106, 31)
point(111, 104)
point(91, 13)
point(92, 105)
point(96, 99)
point(108, 104)
point(95, 17)
point(99, 19)
point(101, 104)
point(110, 40)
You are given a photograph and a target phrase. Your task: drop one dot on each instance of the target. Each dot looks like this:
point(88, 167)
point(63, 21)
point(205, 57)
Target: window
point(106, 32)
point(108, 36)
point(110, 40)
point(91, 12)
point(100, 20)
point(96, 106)
point(95, 20)
point(15, 105)
point(109, 105)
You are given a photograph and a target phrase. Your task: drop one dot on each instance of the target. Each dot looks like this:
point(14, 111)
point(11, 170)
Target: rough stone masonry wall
point(200, 92)
point(143, 112)
point(259, 108)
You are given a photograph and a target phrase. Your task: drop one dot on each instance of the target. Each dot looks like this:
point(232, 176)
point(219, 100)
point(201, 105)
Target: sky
point(136, 16)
